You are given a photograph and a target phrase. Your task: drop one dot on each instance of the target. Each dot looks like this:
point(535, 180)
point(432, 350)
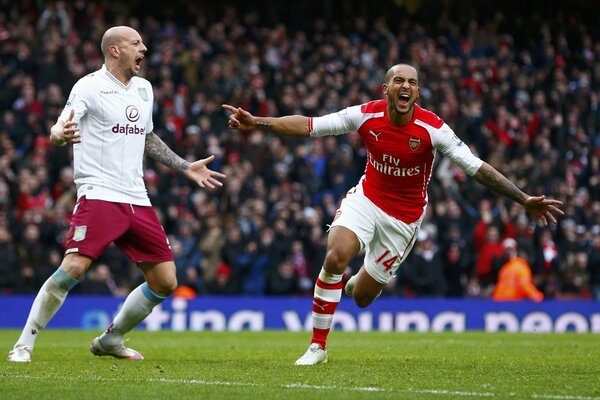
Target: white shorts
point(386, 240)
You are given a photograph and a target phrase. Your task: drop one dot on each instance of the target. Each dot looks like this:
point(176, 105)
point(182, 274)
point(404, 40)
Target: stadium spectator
point(211, 246)
point(31, 253)
point(487, 240)
point(185, 247)
point(222, 283)
point(574, 277)
point(9, 268)
point(383, 213)
point(457, 269)
point(112, 201)
point(514, 278)
point(283, 280)
point(547, 267)
point(423, 272)
point(99, 281)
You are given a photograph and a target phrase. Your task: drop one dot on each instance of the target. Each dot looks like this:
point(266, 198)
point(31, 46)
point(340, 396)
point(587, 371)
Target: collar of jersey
point(115, 80)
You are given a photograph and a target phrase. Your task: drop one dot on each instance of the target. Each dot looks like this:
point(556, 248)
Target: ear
point(114, 50)
point(385, 88)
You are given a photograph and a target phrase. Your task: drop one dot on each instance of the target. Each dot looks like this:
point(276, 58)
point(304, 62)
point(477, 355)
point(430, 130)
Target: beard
point(404, 109)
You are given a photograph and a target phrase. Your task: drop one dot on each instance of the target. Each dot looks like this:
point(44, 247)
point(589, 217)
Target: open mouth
point(404, 99)
point(138, 61)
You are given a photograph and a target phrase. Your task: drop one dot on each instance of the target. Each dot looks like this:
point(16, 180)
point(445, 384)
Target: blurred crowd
point(521, 87)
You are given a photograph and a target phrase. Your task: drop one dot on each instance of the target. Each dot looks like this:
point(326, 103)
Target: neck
point(397, 118)
point(118, 73)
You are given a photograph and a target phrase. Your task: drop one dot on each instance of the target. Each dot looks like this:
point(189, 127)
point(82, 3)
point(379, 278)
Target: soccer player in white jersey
point(108, 120)
point(383, 213)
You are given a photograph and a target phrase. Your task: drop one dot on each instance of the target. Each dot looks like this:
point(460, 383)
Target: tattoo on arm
point(159, 151)
point(264, 126)
point(490, 177)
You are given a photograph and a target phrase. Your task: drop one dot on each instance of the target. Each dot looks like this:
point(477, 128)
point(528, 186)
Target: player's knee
point(336, 260)
point(166, 287)
point(171, 286)
point(75, 267)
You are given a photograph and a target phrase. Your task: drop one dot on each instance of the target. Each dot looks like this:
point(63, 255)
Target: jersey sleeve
point(338, 123)
point(78, 101)
point(446, 141)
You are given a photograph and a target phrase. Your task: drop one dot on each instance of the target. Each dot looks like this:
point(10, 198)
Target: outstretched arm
point(196, 171)
point(159, 151)
point(291, 125)
point(543, 209)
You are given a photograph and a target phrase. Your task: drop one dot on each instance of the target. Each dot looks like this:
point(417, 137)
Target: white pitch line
point(197, 382)
point(319, 387)
point(562, 397)
point(452, 393)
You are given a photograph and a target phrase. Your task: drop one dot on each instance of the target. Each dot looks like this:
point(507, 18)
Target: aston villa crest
point(79, 233)
point(143, 93)
point(414, 143)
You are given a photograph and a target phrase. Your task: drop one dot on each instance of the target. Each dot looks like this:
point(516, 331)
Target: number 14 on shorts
point(387, 260)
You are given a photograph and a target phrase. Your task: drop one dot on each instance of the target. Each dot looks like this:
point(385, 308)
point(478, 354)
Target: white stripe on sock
point(330, 295)
point(329, 278)
point(321, 321)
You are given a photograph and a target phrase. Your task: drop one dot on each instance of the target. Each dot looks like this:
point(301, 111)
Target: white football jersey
point(114, 120)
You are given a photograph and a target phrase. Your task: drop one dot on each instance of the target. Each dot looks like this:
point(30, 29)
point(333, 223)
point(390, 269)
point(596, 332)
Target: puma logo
point(376, 135)
point(322, 307)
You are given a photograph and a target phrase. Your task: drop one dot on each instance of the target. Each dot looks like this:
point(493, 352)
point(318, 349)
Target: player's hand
point(543, 209)
point(239, 119)
point(202, 175)
point(70, 130)
point(67, 133)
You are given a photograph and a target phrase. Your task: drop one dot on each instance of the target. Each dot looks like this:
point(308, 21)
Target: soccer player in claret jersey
point(108, 119)
point(383, 213)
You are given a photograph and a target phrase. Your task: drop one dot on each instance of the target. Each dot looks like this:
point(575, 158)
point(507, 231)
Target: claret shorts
point(134, 229)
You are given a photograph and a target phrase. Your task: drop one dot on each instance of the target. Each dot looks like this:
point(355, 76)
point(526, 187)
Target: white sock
point(138, 305)
point(51, 296)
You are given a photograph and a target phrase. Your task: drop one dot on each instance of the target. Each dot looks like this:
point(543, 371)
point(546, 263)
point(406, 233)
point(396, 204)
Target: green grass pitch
point(259, 365)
